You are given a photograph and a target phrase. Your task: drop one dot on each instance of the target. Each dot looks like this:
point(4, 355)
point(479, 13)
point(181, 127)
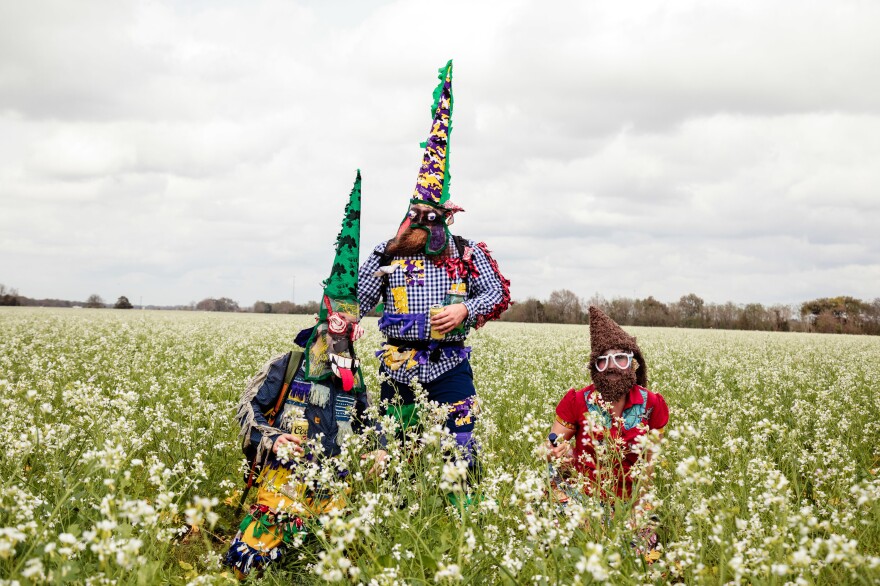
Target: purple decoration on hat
point(432, 184)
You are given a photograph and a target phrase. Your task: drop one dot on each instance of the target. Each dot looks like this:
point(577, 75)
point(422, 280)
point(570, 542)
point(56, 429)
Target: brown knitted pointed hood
point(606, 334)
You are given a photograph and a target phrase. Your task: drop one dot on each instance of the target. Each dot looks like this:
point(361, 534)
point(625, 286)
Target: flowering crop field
point(121, 462)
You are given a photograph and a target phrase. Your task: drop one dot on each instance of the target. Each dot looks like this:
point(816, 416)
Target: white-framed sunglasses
point(622, 361)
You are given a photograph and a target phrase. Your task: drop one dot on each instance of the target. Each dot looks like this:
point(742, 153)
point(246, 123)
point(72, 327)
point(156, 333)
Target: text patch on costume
point(413, 270)
point(300, 428)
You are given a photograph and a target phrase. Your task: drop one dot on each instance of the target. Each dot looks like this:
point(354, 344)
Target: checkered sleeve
point(486, 290)
point(369, 285)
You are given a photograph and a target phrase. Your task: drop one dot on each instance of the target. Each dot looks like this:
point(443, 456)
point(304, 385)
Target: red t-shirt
point(642, 411)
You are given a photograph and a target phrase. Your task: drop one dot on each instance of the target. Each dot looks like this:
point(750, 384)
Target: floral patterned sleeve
point(567, 412)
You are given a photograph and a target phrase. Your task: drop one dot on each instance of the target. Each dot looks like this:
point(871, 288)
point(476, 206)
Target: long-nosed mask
point(430, 220)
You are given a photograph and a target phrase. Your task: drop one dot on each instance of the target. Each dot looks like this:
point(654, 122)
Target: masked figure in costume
point(617, 407)
point(434, 287)
point(297, 411)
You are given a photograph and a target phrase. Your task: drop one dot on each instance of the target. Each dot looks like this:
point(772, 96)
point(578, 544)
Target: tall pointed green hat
point(342, 283)
point(432, 184)
point(329, 350)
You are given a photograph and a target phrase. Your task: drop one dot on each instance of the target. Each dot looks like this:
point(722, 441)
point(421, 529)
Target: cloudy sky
point(172, 151)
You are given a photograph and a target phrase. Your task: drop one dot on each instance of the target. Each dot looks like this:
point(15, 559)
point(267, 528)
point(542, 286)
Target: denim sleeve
point(267, 397)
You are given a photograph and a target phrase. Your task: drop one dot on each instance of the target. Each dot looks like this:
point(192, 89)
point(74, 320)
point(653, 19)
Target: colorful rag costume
point(444, 270)
point(642, 412)
point(581, 411)
point(324, 402)
point(605, 448)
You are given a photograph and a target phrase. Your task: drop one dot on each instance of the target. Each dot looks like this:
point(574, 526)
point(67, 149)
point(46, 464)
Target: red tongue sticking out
point(347, 378)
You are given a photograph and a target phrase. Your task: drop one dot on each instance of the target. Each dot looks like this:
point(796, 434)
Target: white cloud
point(185, 150)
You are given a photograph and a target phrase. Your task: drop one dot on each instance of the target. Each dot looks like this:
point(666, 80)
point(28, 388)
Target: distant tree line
point(840, 315)
point(828, 314)
point(222, 304)
point(10, 296)
point(308, 307)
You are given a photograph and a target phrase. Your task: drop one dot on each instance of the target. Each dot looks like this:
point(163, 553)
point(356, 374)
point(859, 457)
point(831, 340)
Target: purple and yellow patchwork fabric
point(432, 184)
point(413, 270)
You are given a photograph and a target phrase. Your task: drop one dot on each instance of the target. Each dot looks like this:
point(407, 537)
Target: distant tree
point(206, 305)
point(782, 315)
point(262, 307)
point(871, 324)
point(531, 311)
point(621, 310)
point(122, 303)
point(227, 304)
point(826, 323)
point(650, 312)
point(849, 313)
point(307, 308)
point(754, 317)
point(222, 304)
point(564, 307)
point(94, 301)
point(8, 296)
point(725, 316)
point(691, 311)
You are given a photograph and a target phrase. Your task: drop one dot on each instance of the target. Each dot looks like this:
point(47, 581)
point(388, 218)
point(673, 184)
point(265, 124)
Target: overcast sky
point(172, 151)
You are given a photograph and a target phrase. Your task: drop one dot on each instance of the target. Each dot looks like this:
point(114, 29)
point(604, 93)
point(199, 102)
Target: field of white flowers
point(120, 454)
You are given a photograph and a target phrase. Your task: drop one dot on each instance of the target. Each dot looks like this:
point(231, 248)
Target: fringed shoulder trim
point(245, 411)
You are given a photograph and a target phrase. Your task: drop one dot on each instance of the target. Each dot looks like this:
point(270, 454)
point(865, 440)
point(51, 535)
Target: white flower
point(447, 573)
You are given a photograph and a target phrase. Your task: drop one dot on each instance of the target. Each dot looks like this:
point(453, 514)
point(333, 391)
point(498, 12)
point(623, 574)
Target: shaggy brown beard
point(612, 389)
point(410, 243)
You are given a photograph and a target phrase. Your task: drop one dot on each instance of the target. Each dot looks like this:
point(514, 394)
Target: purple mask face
point(431, 220)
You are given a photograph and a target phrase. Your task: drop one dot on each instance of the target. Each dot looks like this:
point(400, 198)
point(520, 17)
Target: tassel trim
point(245, 412)
point(319, 395)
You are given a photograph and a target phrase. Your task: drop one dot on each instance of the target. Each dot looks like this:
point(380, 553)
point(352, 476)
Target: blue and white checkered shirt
point(413, 288)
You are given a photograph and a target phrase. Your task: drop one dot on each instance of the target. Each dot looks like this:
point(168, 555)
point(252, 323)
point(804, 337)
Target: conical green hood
point(342, 283)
